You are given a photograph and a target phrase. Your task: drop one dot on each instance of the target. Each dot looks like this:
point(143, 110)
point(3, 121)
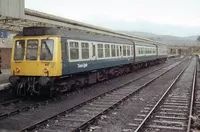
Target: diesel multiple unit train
point(48, 60)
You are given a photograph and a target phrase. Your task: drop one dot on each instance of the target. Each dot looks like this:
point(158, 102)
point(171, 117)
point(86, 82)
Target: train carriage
point(47, 60)
point(162, 51)
point(145, 51)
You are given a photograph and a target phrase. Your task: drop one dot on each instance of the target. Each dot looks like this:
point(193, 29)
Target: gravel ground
point(20, 104)
point(179, 90)
point(118, 119)
point(195, 124)
point(4, 78)
point(26, 118)
point(4, 96)
point(197, 97)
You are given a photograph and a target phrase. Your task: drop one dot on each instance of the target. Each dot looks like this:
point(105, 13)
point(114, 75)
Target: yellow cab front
point(36, 56)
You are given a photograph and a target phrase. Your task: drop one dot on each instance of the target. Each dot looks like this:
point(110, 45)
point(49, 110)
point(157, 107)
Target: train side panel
point(90, 60)
point(162, 51)
point(84, 66)
point(145, 52)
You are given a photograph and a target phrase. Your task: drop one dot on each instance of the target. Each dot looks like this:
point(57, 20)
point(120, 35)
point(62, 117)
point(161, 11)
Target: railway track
point(193, 122)
point(16, 106)
point(80, 116)
point(171, 112)
point(5, 95)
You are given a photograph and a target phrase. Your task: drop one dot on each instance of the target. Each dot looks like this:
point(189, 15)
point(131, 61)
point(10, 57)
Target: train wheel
point(13, 90)
point(21, 89)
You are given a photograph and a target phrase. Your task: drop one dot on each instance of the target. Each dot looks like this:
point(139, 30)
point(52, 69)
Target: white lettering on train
point(84, 65)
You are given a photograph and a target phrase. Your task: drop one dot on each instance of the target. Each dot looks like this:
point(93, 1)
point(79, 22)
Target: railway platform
point(4, 78)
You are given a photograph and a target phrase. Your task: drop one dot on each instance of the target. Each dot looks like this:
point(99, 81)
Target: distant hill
point(171, 40)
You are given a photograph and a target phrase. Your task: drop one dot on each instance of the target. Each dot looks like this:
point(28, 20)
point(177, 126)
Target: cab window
point(32, 50)
point(19, 50)
point(46, 49)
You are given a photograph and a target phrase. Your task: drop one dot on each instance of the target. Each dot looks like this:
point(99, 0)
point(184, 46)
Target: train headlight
point(17, 69)
point(46, 70)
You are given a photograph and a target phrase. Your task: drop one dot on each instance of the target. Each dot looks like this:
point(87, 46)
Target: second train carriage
point(45, 60)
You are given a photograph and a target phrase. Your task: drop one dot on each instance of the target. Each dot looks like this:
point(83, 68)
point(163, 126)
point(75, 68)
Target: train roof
point(80, 35)
point(71, 34)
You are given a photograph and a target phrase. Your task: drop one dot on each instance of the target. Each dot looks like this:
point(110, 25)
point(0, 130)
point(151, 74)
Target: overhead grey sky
point(167, 17)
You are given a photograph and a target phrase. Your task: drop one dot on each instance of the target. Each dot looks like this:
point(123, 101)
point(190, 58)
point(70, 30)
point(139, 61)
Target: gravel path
point(120, 118)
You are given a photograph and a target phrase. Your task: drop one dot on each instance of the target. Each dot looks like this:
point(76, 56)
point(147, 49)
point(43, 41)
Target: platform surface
point(4, 78)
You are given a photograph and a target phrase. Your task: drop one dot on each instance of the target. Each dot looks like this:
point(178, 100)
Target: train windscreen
point(19, 50)
point(32, 50)
point(47, 46)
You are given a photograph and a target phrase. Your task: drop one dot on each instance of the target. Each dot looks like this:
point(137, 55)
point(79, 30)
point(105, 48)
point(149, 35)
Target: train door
point(157, 52)
point(133, 52)
point(93, 51)
point(65, 62)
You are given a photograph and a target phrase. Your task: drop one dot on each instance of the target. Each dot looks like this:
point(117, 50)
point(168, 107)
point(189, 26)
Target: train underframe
point(51, 86)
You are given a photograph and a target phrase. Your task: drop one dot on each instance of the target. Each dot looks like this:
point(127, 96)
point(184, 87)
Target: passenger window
point(117, 50)
point(19, 50)
point(113, 49)
point(107, 50)
point(124, 50)
point(131, 50)
point(138, 50)
point(85, 50)
point(128, 51)
point(100, 50)
point(47, 49)
point(32, 50)
point(94, 50)
point(121, 50)
point(74, 50)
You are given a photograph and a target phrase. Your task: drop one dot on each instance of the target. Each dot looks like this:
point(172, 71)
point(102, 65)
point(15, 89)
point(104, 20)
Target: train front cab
point(34, 63)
